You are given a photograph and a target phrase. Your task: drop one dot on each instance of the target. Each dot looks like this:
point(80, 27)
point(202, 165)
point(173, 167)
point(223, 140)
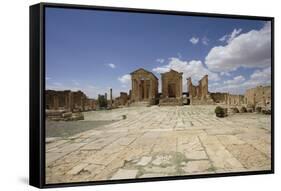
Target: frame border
point(37, 99)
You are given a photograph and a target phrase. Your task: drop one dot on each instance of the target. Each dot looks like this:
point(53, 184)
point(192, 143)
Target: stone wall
point(259, 96)
point(235, 100)
point(122, 100)
point(199, 94)
point(219, 97)
point(68, 100)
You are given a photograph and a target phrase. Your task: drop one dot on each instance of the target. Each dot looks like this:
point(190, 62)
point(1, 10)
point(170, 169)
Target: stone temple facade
point(171, 88)
point(144, 87)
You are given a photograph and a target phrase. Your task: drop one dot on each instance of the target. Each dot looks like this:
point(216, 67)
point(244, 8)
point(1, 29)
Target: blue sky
point(93, 51)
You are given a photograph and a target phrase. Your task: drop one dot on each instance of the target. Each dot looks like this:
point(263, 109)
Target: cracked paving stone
point(125, 174)
point(144, 161)
point(160, 141)
point(197, 166)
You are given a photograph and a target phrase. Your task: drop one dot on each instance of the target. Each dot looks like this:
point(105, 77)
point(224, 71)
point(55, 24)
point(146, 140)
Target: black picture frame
point(37, 88)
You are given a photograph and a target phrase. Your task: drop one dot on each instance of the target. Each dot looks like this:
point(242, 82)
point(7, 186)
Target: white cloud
point(229, 37)
point(236, 80)
point(249, 50)
point(194, 40)
point(112, 65)
point(259, 77)
point(125, 79)
point(160, 60)
point(48, 78)
point(205, 40)
point(225, 74)
point(194, 69)
point(238, 85)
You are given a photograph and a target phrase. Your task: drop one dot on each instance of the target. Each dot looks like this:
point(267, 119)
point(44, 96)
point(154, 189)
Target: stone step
point(140, 104)
point(170, 101)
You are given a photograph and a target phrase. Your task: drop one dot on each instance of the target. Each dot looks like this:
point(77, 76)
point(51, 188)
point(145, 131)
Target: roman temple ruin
point(144, 87)
point(171, 88)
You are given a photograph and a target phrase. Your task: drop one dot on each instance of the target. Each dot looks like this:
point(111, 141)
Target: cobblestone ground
point(160, 141)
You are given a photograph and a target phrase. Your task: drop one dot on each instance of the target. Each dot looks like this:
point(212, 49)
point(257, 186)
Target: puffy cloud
point(125, 79)
point(238, 85)
point(235, 80)
point(229, 37)
point(160, 60)
point(205, 40)
point(194, 40)
point(225, 74)
point(259, 77)
point(249, 50)
point(194, 69)
point(112, 65)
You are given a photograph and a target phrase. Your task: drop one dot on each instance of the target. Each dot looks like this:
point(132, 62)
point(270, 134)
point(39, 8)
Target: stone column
point(180, 88)
point(133, 89)
point(56, 102)
point(145, 93)
point(151, 92)
point(137, 90)
point(71, 101)
point(110, 97)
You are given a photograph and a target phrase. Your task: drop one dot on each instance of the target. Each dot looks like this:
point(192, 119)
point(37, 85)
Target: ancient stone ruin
point(226, 98)
point(67, 105)
point(122, 100)
point(259, 96)
point(171, 88)
point(68, 100)
point(199, 94)
point(144, 92)
point(144, 87)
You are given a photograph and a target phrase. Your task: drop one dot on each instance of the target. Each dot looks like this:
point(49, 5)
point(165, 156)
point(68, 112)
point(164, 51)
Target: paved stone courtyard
point(160, 141)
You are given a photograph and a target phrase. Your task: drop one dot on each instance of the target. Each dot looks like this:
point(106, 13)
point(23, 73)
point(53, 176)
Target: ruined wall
point(203, 87)
point(67, 100)
point(190, 88)
point(79, 100)
point(235, 100)
point(122, 100)
point(219, 97)
point(62, 100)
point(200, 91)
point(90, 104)
point(199, 94)
point(259, 96)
